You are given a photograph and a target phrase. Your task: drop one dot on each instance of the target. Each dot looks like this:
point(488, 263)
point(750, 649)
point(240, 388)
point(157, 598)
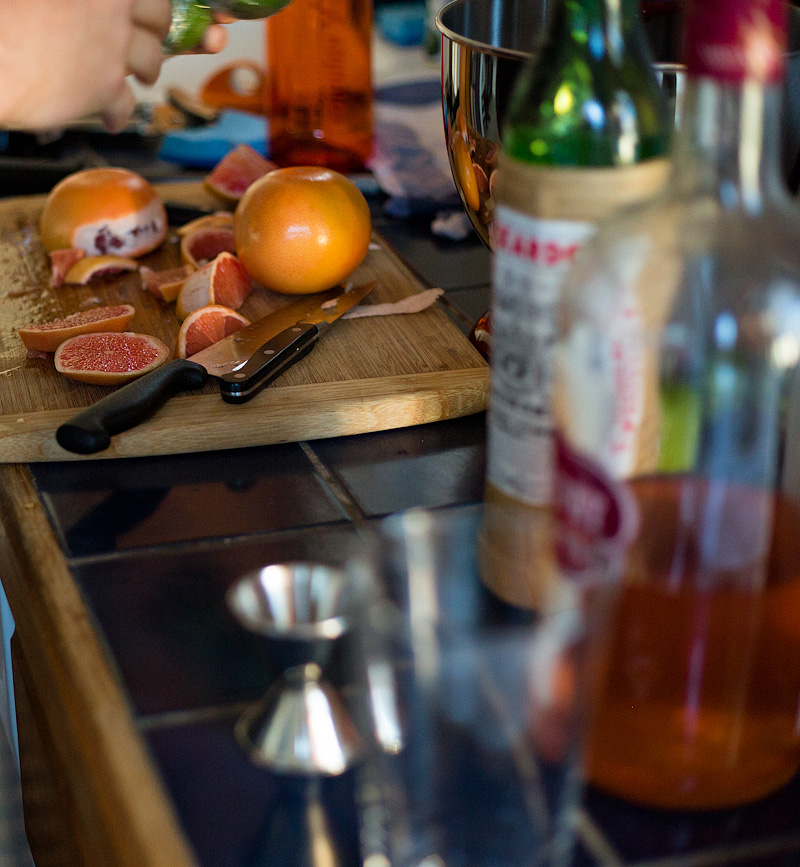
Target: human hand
point(63, 59)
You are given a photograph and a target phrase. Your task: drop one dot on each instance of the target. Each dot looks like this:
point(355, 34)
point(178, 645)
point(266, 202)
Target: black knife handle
point(91, 430)
point(268, 362)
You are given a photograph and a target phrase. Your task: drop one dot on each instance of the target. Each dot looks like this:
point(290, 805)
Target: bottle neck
point(729, 143)
point(607, 27)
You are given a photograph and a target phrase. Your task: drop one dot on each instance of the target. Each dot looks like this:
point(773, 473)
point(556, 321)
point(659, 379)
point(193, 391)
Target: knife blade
point(244, 362)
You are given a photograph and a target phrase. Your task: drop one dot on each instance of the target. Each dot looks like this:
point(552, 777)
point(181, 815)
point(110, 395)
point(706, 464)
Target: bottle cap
point(736, 40)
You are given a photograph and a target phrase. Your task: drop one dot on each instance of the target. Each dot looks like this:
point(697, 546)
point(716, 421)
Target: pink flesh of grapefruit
point(109, 358)
point(234, 173)
point(47, 336)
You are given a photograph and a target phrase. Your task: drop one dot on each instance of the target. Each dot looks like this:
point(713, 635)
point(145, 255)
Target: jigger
point(301, 726)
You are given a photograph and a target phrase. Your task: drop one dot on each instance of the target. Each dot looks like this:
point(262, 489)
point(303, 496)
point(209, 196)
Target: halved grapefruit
point(234, 173)
point(109, 358)
point(223, 281)
point(47, 336)
point(90, 268)
point(206, 243)
point(207, 325)
point(103, 211)
point(165, 284)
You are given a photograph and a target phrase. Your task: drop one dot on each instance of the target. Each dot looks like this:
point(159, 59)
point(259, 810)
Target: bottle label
point(542, 218)
point(595, 518)
point(735, 40)
point(531, 257)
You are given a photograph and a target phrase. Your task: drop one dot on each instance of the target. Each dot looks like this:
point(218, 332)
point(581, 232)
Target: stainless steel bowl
point(484, 44)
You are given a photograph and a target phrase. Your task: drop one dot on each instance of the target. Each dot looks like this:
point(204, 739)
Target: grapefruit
point(223, 281)
point(208, 221)
point(165, 284)
point(89, 268)
point(47, 336)
point(236, 171)
point(205, 326)
point(301, 229)
point(205, 244)
point(109, 358)
point(60, 262)
point(103, 211)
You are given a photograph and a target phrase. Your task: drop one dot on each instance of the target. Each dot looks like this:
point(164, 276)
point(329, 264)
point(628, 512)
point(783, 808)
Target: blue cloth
point(203, 147)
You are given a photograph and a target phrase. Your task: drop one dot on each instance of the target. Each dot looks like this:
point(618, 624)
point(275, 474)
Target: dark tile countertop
point(154, 543)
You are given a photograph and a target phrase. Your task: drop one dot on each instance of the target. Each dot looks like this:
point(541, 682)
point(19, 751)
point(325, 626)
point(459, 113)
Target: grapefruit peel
point(48, 336)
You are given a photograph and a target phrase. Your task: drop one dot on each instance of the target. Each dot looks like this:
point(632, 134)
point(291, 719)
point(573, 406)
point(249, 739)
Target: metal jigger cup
point(301, 726)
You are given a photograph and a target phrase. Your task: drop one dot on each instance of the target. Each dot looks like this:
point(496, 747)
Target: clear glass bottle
point(587, 133)
point(676, 374)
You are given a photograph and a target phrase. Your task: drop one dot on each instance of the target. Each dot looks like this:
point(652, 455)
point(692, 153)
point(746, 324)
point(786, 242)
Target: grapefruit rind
point(208, 221)
point(48, 336)
point(236, 171)
point(89, 268)
point(103, 211)
point(166, 284)
point(205, 244)
point(301, 230)
point(205, 326)
point(60, 263)
point(109, 358)
point(223, 281)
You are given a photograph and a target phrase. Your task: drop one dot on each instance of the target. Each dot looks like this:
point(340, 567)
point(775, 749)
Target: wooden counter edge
point(122, 808)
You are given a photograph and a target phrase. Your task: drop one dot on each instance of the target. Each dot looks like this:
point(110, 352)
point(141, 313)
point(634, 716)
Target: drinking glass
point(478, 709)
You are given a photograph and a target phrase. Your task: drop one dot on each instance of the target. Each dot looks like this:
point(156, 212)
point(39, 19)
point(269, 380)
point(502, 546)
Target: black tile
point(437, 261)
point(472, 303)
point(761, 834)
point(104, 506)
point(433, 465)
point(237, 815)
point(165, 622)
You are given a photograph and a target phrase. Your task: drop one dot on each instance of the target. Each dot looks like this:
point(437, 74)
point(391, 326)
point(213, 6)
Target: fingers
point(144, 56)
point(154, 16)
point(119, 109)
point(214, 39)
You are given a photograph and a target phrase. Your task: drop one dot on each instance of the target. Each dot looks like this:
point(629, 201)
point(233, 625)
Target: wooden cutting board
point(366, 374)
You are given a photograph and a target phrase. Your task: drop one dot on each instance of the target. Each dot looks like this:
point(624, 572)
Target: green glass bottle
point(190, 18)
point(586, 134)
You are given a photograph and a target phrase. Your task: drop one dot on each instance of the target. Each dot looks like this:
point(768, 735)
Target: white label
point(531, 257)
point(599, 369)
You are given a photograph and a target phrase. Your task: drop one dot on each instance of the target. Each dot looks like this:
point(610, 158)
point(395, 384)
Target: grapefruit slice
point(90, 268)
point(166, 284)
point(109, 358)
point(234, 173)
point(207, 325)
point(61, 261)
point(106, 210)
point(47, 336)
point(209, 221)
point(223, 281)
point(205, 244)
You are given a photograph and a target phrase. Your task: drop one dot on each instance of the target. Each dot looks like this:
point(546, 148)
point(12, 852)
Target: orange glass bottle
point(320, 81)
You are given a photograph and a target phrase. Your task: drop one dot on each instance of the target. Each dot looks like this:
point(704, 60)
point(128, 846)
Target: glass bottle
point(319, 71)
point(587, 133)
point(675, 376)
point(190, 18)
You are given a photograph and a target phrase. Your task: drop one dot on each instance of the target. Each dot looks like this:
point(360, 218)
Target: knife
point(244, 362)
